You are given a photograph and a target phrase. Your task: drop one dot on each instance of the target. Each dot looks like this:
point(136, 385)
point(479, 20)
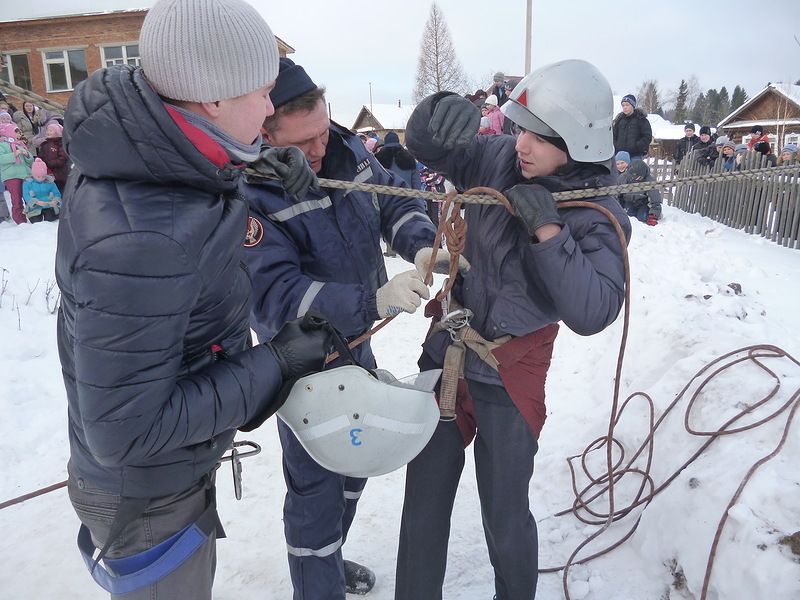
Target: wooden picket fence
point(767, 205)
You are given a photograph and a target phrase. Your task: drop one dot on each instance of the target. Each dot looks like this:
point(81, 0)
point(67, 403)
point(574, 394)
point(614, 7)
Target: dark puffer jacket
point(514, 286)
point(632, 133)
point(149, 263)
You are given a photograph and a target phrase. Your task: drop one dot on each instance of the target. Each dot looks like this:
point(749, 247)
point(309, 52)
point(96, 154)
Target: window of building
point(127, 54)
point(15, 70)
point(64, 69)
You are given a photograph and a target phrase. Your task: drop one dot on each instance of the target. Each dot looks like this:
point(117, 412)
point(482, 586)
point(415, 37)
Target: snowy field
point(684, 314)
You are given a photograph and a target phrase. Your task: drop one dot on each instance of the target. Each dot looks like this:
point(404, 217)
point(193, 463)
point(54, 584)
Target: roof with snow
point(383, 116)
point(788, 90)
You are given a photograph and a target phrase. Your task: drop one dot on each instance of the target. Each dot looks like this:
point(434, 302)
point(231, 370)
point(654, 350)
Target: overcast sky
point(346, 44)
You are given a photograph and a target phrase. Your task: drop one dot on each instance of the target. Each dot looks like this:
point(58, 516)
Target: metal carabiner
point(236, 463)
point(456, 320)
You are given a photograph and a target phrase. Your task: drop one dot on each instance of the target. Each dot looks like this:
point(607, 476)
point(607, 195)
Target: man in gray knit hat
point(153, 329)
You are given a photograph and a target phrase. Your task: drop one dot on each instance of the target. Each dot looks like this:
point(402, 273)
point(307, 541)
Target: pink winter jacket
point(496, 118)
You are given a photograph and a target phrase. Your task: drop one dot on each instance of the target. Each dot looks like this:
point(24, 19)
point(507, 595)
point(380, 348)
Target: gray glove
point(455, 122)
point(534, 206)
point(289, 165)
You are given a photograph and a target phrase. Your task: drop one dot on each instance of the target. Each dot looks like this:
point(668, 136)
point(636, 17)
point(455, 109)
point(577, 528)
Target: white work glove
point(442, 266)
point(403, 292)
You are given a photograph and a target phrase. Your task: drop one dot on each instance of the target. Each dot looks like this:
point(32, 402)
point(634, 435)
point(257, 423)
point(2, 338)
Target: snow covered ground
point(684, 315)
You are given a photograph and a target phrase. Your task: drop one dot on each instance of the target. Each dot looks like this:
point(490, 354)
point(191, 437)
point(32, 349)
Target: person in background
point(686, 143)
point(25, 119)
point(42, 197)
point(5, 117)
point(393, 157)
point(739, 153)
point(788, 154)
point(499, 90)
point(645, 206)
point(486, 126)
point(622, 160)
point(323, 253)
point(52, 153)
point(154, 338)
point(529, 270)
point(728, 156)
point(765, 148)
point(705, 152)
point(15, 167)
point(479, 97)
point(495, 115)
point(758, 135)
point(632, 130)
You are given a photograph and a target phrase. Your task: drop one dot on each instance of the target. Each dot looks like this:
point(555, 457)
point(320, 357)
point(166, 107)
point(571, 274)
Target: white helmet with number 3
point(356, 425)
point(571, 100)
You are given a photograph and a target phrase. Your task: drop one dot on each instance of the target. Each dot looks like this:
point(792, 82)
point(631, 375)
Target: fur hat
point(207, 50)
point(292, 82)
point(623, 156)
point(491, 100)
point(630, 99)
point(39, 168)
point(705, 130)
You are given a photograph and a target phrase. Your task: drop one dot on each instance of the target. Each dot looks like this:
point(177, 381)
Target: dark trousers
point(504, 453)
point(162, 518)
point(319, 508)
point(47, 214)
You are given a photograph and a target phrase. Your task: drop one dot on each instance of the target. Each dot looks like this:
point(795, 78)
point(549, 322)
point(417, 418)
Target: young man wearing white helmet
point(528, 271)
point(153, 330)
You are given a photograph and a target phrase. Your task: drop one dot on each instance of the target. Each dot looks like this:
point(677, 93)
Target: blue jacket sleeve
point(282, 291)
point(462, 165)
point(134, 294)
point(583, 272)
point(405, 224)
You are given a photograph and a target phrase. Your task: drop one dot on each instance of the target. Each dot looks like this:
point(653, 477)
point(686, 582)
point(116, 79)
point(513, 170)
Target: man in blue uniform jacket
point(323, 253)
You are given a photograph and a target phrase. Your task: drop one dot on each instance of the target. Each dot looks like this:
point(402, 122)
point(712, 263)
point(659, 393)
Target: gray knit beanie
point(207, 50)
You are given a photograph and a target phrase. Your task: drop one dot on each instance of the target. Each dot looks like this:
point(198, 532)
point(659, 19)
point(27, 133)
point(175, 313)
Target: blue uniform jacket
point(324, 252)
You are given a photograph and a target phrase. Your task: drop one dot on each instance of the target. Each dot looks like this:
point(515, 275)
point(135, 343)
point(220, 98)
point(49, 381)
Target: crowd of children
point(33, 164)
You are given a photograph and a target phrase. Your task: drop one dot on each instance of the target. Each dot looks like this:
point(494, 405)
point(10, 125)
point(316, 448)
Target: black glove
point(302, 345)
point(455, 122)
point(288, 164)
point(300, 348)
point(534, 206)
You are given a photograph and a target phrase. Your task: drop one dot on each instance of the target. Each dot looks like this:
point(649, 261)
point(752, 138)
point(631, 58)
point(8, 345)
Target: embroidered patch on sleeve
point(255, 231)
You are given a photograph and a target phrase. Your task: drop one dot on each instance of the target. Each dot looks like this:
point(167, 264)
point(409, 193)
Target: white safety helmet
point(570, 100)
point(356, 425)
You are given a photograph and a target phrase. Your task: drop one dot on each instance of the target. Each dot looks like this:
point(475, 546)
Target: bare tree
point(438, 67)
point(647, 98)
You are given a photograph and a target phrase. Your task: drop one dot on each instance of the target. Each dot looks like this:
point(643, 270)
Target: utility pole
point(528, 22)
point(371, 115)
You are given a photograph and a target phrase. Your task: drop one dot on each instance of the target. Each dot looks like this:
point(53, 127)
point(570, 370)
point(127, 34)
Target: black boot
point(358, 579)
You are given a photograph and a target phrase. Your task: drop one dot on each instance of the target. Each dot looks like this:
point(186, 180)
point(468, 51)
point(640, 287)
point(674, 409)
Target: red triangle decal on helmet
point(523, 98)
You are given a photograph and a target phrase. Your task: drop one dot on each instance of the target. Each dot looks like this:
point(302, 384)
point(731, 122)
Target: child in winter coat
point(52, 153)
point(42, 198)
point(15, 167)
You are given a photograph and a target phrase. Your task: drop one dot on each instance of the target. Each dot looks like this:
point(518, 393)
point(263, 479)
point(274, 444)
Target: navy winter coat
point(324, 252)
point(632, 133)
point(515, 286)
point(153, 283)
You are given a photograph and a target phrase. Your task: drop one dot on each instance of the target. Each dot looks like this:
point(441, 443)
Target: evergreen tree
point(712, 107)
point(680, 102)
point(438, 67)
point(739, 97)
point(698, 114)
point(724, 103)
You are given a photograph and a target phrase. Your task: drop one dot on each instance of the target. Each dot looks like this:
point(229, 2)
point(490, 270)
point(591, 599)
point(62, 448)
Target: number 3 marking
point(354, 436)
